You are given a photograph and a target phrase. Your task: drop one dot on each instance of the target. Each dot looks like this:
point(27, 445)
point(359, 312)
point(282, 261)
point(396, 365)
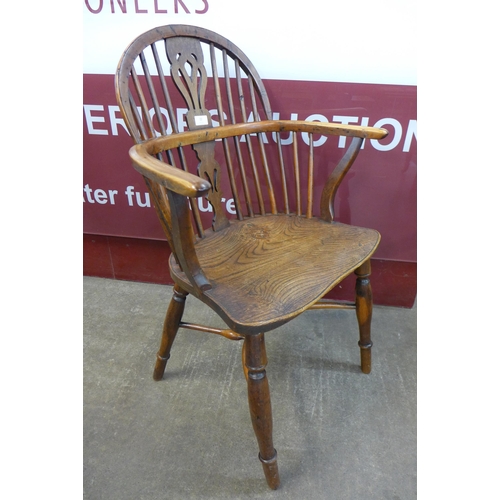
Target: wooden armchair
point(272, 249)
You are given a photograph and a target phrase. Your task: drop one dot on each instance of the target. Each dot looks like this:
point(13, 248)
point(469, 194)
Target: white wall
point(323, 40)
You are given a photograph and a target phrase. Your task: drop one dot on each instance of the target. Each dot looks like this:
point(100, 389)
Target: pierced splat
point(190, 76)
point(210, 169)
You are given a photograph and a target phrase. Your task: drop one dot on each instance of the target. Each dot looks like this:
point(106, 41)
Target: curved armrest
point(172, 178)
point(332, 129)
point(163, 143)
point(184, 183)
point(180, 183)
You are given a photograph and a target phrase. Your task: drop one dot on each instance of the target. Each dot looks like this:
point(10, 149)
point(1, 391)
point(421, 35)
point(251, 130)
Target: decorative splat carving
point(209, 169)
point(190, 77)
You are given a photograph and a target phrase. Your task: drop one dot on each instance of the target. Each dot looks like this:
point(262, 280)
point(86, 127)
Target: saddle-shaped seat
point(250, 291)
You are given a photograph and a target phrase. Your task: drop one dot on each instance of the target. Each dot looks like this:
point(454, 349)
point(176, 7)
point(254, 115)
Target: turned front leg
point(259, 399)
point(170, 327)
point(364, 305)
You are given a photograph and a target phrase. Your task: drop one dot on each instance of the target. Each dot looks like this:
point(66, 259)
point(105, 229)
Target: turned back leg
point(259, 399)
point(170, 327)
point(364, 305)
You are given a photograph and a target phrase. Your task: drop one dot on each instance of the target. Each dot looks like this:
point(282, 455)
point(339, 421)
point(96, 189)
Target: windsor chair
point(271, 248)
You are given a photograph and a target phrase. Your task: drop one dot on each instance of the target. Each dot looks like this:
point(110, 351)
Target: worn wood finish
point(224, 332)
point(266, 270)
point(364, 306)
point(170, 327)
point(283, 250)
point(255, 362)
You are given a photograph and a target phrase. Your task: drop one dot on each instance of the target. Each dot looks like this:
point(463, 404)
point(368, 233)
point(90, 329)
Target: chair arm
point(180, 184)
point(172, 178)
point(184, 183)
point(332, 129)
point(163, 143)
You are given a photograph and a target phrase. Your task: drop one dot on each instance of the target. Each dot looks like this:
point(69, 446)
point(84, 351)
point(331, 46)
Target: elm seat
point(279, 250)
point(237, 262)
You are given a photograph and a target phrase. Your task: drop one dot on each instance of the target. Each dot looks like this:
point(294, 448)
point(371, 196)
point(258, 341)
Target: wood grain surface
point(266, 270)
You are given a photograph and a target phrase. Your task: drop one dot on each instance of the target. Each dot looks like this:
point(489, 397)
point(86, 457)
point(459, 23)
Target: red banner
point(378, 192)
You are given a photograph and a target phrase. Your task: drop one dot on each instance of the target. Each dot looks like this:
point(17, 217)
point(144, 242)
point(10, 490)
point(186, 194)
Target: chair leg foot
point(366, 357)
point(170, 327)
point(364, 305)
point(160, 366)
point(271, 470)
point(259, 399)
